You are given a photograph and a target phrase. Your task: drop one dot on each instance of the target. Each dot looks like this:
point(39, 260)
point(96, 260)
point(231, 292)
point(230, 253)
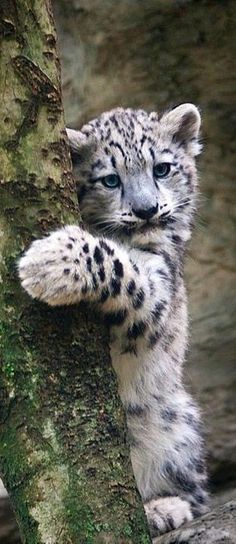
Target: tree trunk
point(62, 453)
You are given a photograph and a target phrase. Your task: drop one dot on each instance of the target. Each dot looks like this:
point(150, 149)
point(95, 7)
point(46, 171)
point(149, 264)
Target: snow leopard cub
point(137, 187)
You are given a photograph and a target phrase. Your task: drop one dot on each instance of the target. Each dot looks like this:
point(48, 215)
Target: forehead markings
point(113, 161)
point(143, 140)
point(114, 121)
point(152, 153)
point(118, 146)
point(98, 164)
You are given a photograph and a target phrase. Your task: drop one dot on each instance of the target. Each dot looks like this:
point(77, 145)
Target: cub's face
point(136, 171)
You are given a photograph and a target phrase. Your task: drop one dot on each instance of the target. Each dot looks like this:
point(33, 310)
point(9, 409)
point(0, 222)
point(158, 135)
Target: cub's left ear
point(183, 124)
point(81, 145)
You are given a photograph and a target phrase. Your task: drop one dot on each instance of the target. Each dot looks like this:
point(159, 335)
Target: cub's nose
point(145, 214)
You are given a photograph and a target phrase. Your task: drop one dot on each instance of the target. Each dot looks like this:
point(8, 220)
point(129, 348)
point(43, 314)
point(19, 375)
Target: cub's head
point(136, 170)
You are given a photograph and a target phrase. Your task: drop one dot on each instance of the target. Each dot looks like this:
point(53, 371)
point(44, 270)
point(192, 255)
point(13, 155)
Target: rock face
point(156, 54)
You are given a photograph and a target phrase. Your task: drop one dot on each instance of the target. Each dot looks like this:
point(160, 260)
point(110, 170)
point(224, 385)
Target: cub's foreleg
point(71, 265)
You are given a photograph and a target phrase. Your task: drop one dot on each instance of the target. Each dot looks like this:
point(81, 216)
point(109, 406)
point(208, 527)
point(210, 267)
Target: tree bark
point(63, 457)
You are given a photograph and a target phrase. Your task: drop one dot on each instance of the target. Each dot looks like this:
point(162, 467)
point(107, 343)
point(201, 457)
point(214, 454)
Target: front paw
point(167, 513)
point(49, 270)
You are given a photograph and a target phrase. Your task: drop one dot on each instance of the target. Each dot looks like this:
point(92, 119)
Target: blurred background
point(155, 54)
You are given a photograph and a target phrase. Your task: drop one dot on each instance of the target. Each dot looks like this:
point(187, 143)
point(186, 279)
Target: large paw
point(167, 513)
point(50, 268)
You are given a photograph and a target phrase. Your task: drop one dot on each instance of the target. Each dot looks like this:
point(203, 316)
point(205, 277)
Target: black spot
point(114, 120)
point(191, 420)
point(158, 309)
point(170, 522)
point(76, 261)
point(135, 410)
point(71, 238)
point(153, 338)
point(168, 414)
point(152, 153)
point(200, 466)
point(104, 295)
point(162, 274)
point(115, 318)
point(76, 276)
point(106, 247)
point(179, 478)
point(118, 266)
point(95, 283)
point(115, 287)
point(136, 330)
point(169, 263)
point(138, 299)
point(66, 271)
point(167, 342)
point(101, 273)
point(98, 256)
point(204, 482)
point(135, 267)
point(69, 246)
point(85, 248)
point(89, 264)
point(189, 178)
point(151, 286)
point(98, 164)
point(131, 286)
point(200, 497)
point(84, 289)
point(143, 139)
point(113, 161)
point(65, 258)
point(176, 239)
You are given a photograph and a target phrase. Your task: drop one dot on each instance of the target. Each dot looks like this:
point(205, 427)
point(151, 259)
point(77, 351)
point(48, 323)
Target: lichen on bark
point(63, 457)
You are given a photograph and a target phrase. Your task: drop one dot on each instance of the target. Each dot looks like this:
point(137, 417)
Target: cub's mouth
point(148, 224)
point(130, 227)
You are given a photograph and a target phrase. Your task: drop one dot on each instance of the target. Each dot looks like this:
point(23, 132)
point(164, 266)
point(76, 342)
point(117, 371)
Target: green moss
point(16, 474)
point(80, 517)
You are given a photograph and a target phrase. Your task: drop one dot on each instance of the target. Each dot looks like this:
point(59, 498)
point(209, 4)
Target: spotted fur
point(129, 262)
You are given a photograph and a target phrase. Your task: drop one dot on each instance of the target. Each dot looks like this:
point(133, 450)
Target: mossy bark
point(63, 457)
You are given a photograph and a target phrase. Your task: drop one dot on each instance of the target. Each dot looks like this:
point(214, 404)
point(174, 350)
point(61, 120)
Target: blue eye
point(112, 181)
point(161, 170)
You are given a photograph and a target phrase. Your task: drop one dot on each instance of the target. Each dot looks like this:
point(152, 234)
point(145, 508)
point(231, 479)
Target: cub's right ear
point(81, 145)
point(183, 125)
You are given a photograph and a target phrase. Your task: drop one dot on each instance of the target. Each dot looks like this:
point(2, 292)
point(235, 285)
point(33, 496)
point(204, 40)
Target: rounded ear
point(81, 144)
point(183, 123)
point(76, 138)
